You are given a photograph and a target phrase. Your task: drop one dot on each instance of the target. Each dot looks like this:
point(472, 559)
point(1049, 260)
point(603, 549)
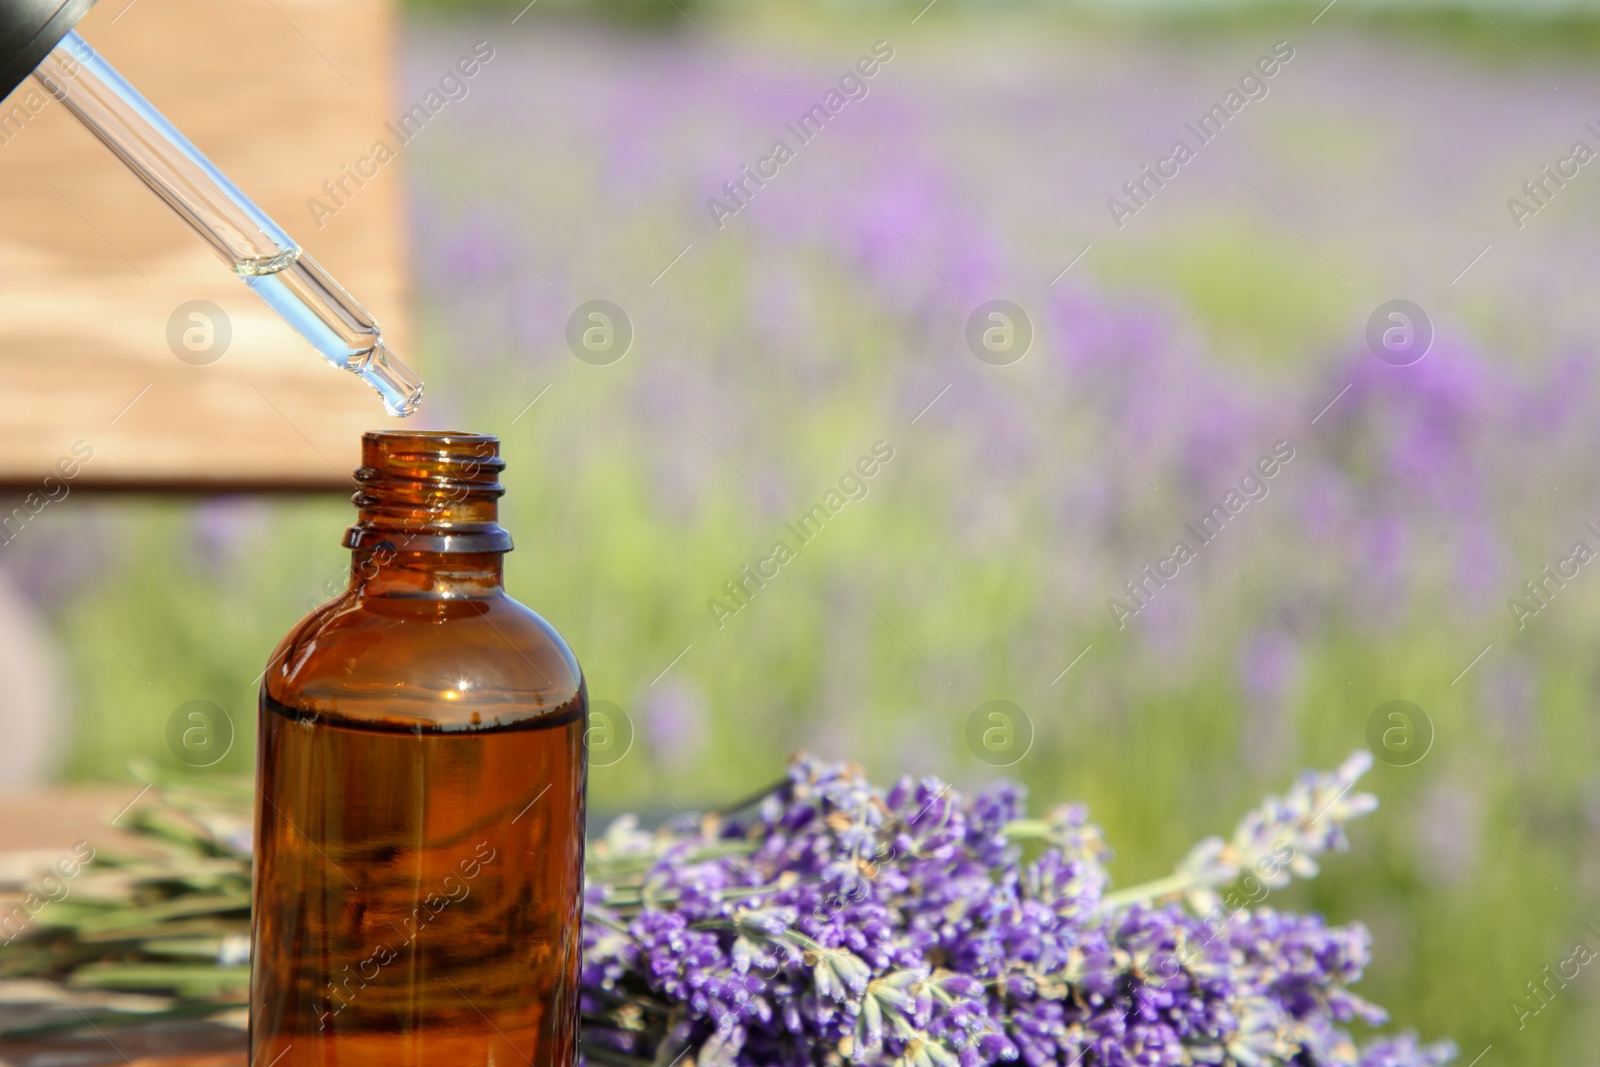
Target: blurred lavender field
point(1225, 321)
point(1221, 320)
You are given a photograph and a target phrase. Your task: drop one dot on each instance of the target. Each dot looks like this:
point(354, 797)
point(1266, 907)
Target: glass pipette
point(257, 249)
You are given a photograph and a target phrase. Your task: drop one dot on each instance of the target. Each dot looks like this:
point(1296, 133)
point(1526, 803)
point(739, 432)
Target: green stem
point(123, 1018)
point(600, 1054)
point(1173, 885)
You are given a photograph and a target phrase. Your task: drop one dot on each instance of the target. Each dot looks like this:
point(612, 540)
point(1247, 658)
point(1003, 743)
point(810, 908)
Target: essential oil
point(421, 768)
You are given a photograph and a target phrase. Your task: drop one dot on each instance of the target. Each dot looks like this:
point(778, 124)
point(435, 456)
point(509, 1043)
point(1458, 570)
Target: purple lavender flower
point(839, 922)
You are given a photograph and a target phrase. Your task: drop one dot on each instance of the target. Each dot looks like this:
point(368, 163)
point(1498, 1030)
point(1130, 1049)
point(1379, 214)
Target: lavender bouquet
point(839, 923)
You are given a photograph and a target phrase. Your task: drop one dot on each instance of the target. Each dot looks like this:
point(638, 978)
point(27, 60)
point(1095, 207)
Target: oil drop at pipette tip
point(395, 382)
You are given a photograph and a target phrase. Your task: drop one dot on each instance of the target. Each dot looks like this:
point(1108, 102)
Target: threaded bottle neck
point(428, 492)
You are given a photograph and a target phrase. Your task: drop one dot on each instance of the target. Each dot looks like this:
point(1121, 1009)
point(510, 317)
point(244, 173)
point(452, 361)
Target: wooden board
point(279, 94)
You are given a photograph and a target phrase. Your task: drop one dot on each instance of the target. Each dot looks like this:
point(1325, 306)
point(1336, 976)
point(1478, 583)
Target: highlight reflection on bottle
point(421, 769)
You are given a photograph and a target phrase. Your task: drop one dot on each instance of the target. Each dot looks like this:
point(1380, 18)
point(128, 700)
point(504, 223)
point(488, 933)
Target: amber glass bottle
point(419, 822)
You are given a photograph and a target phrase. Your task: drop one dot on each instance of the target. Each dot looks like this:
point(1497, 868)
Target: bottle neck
point(427, 516)
point(379, 570)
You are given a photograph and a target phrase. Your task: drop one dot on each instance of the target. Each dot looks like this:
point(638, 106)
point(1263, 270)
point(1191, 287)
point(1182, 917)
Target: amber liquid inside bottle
point(421, 811)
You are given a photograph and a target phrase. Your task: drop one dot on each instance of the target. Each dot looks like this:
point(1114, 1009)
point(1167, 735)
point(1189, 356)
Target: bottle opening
point(429, 491)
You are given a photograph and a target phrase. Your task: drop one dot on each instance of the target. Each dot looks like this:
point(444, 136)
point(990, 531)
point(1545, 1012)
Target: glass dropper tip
point(395, 382)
